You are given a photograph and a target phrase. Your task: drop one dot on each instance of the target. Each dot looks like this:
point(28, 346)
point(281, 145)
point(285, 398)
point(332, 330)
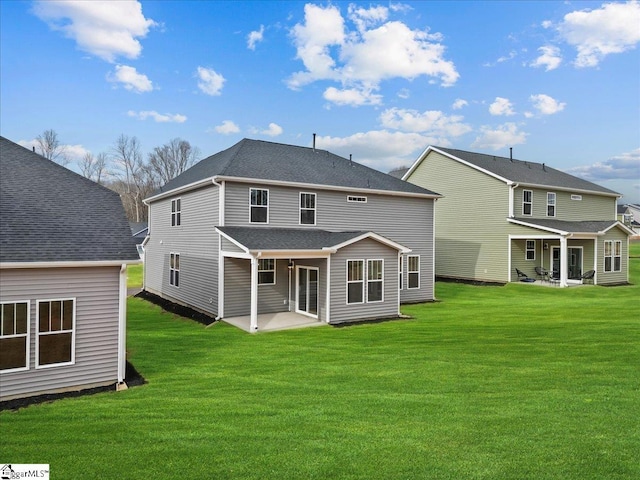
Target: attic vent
point(576, 197)
point(354, 199)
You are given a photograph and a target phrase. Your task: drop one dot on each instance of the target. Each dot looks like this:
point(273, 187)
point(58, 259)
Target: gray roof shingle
point(571, 227)
point(51, 214)
point(288, 163)
point(528, 173)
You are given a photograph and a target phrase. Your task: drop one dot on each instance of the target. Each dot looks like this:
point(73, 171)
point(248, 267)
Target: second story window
point(259, 205)
point(551, 204)
point(527, 202)
point(307, 208)
point(175, 212)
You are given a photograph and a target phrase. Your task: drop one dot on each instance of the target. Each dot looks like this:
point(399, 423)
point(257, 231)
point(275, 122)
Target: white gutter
point(70, 264)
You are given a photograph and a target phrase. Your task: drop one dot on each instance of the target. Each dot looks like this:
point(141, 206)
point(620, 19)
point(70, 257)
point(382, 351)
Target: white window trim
point(409, 272)
point(275, 262)
point(527, 203)
point(554, 204)
point(401, 271)
point(363, 281)
point(176, 216)
point(301, 208)
point(26, 335)
point(173, 269)
point(381, 281)
point(527, 250)
point(73, 334)
point(251, 189)
point(612, 255)
point(356, 199)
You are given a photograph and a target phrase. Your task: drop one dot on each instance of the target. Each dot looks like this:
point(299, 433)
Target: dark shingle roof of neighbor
point(529, 173)
point(51, 214)
point(289, 163)
point(263, 238)
point(399, 172)
point(572, 227)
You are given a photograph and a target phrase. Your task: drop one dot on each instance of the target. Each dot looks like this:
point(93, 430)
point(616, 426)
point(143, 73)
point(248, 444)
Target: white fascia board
point(567, 189)
point(179, 190)
point(418, 161)
point(232, 240)
point(317, 186)
point(279, 254)
point(69, 264)
point(537, 227)
point(228, 254)
point(376, 237)
point(621, 226)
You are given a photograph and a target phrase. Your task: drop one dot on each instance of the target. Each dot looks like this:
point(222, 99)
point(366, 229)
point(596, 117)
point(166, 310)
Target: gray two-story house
point(501, 214)
point(264, 227)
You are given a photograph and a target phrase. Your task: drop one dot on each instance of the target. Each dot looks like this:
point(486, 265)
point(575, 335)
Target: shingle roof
point(398, 172)
point(288, 163)
point(529, 173)
point(263, 238)
point(571, 227)
point(51, 214)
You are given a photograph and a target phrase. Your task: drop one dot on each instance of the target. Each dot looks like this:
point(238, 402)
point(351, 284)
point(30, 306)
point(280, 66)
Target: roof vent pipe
point(350, 159)
point(511, 153)
point(544, 169)
point(314, 142)
point(34, 149)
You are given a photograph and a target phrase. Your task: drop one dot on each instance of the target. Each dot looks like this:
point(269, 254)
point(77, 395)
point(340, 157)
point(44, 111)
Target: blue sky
point(557, 81)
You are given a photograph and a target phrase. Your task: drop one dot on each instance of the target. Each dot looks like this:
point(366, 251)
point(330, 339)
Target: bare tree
point(49, 147)
point(94, 168)
point(171, 159)
point(127, 158)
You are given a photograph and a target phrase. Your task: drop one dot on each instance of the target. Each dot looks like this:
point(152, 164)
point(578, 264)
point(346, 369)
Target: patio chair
point(588, 276)
point(523, 277)
point(542, 273)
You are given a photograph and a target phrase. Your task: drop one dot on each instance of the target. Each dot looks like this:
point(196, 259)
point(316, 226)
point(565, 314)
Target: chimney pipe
point(314, 142)
point(511, 153)
point(33, 149)
point(350, 159)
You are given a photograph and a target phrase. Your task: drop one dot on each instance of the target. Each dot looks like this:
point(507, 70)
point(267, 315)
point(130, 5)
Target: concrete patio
point(269, 322)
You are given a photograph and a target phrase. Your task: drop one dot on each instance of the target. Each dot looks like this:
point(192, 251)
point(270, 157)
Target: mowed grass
point(514, 382)
point(134, 276)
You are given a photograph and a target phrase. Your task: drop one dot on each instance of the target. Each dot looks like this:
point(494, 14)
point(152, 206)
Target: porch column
point(254, 295)
point(564, 261)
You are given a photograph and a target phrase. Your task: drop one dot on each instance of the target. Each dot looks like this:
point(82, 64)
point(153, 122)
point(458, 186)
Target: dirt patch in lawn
point(178, 309)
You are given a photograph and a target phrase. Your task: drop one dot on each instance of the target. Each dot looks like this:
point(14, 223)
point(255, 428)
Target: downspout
point(221, 205)
point(122, 329)
point(512, 189)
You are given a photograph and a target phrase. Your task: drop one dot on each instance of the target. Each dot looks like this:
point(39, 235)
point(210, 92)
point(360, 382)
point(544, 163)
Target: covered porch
point(270, 322)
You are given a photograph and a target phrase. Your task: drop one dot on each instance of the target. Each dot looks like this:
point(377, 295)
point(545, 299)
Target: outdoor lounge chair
point(542, 273)
point(588, 276)
point(523, 277)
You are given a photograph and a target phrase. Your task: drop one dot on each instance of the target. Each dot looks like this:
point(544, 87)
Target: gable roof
point(595, 227)
point(517, 171)
point(51, 214)
point(268, 161)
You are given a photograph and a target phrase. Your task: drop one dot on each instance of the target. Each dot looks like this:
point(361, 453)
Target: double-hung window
point(612, 255)
point(266, 271)
point(14, 336)
point(413, 271)
point(530, 250)
point(355, 281)
point(175, 212)
point(259, 205)
point(375, 281)
point(551, 204)
point(527, 202)
point(56, 332)
point(307, 208)
point(174, 269)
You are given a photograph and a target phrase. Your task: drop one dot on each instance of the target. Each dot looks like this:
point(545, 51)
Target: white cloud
point(273, 131)
point(228, 127)
point(546, 105)
point(158, 117)
point(549, 58)
point(210, 82)
point(404, 93)
point(623, 167)
point(612, 28)
point(431, 122)
point(352, 96)
point(255, 37)
point(105, 29)
point(503, 136)
point(459, 103)
point(501, 106)
point(374, 50)
point(130, 79)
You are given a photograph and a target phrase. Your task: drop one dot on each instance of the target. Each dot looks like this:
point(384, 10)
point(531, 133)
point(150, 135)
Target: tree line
point(124, 168)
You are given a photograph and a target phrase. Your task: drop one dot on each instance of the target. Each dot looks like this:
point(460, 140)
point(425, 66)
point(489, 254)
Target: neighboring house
point(64, 249)
point(499, 214)
point(629, 214)
point(139, 231)
point(264, 227)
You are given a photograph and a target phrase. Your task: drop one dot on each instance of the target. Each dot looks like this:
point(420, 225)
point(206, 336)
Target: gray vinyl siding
point(195, 239)
point(405, 220)
point(228, 246)
point(612, 278)
point(471, 226)
point(367, 249)
point(591, 207)
point(96, 292)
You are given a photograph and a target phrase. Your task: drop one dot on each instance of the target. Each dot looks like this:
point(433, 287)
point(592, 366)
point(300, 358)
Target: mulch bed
point(181, 310)
point(132, 379)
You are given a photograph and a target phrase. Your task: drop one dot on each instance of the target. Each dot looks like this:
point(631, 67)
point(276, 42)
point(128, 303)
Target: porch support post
point(254, 295)
point(564, 261)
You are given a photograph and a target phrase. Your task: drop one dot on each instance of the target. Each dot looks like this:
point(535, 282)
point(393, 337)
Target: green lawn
point(514, 382)
point(134, 276)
